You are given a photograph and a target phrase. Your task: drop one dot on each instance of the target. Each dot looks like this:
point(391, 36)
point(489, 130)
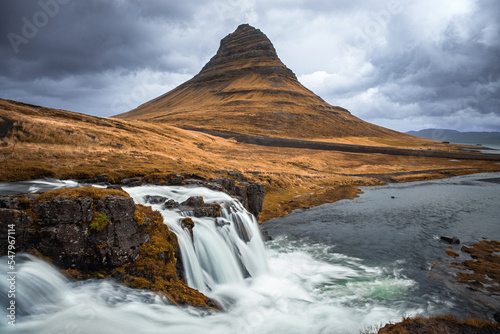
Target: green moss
point(99, 222)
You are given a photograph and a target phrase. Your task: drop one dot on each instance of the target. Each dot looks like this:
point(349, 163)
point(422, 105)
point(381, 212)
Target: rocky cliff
point(246, 89)
point(87, 228)
point(93, 232)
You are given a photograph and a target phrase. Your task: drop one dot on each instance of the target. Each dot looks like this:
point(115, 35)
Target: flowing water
point(339, 268)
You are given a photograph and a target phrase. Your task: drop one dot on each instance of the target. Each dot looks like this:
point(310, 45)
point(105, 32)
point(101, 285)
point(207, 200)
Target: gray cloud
point(398, 64)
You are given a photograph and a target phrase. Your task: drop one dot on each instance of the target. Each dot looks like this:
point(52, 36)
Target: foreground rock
point(439, 325)
point(89, 228)
point(98, 233)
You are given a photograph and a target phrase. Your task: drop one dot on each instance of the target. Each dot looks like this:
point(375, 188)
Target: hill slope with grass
point(40, 142)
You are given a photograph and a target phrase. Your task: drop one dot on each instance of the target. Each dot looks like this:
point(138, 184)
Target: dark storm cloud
point(425, 65)
point(457, 73)
point(405, 65)
point(70, 48)
point(85, 37)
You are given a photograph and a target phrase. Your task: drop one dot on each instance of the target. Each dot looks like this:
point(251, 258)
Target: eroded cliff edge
point(91, 232)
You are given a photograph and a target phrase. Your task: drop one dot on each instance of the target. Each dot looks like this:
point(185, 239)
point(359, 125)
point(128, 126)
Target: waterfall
point(222, 250)
point(30, 275)
point(289, 286)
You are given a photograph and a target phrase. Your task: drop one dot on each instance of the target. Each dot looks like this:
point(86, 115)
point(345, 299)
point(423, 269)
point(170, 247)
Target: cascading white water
point(284, 287)
point(216, 253)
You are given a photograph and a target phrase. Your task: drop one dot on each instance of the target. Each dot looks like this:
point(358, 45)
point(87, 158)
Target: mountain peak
point(246, 89)
point(246, 48)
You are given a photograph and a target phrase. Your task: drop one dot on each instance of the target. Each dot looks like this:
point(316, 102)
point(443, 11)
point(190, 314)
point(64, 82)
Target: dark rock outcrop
point(80, 232)
point(99, 233)
point(5, 126)
point(250, 194)
point(200, 208)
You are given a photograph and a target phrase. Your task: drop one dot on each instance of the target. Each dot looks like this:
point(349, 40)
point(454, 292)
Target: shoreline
point(351, 190)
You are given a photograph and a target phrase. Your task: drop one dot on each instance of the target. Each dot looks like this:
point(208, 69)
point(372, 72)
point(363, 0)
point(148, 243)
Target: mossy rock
point(92, 192)
point(187, 223)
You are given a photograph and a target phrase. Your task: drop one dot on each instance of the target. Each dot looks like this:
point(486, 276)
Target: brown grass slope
point(245, 88)
point(41, 142)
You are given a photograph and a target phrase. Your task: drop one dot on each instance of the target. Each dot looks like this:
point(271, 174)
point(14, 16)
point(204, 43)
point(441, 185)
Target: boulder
point(82, 232)
point(450, 239)
point(171, 204)
point(208, 210)
point(155, 199)
point(194, 202)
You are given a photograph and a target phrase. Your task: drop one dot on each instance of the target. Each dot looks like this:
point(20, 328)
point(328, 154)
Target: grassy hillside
point(42, 142)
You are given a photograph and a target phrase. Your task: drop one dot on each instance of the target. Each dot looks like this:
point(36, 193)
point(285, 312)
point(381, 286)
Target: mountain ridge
point(245, 88)
point(466, 137)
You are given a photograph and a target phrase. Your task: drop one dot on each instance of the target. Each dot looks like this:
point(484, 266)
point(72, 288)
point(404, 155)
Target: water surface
point(398, 227)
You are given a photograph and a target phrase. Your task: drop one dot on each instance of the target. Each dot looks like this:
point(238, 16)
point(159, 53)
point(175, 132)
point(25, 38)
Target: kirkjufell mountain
point(246, 89)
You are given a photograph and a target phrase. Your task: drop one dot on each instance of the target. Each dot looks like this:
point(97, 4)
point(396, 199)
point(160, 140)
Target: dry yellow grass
point(53, 143)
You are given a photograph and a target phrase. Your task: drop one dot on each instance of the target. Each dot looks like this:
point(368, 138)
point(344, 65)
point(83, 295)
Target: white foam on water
point(283, 287)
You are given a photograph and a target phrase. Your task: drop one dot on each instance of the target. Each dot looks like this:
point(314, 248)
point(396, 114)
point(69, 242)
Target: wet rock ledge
point(99, 233)
point(250, 194)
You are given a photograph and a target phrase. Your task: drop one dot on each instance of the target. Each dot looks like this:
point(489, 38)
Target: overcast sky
point(405, 65)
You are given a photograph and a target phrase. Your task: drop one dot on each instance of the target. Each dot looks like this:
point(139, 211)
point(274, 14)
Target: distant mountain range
point(453, 136)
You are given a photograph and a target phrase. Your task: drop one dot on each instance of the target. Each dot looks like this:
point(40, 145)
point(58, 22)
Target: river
point(344, 267)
